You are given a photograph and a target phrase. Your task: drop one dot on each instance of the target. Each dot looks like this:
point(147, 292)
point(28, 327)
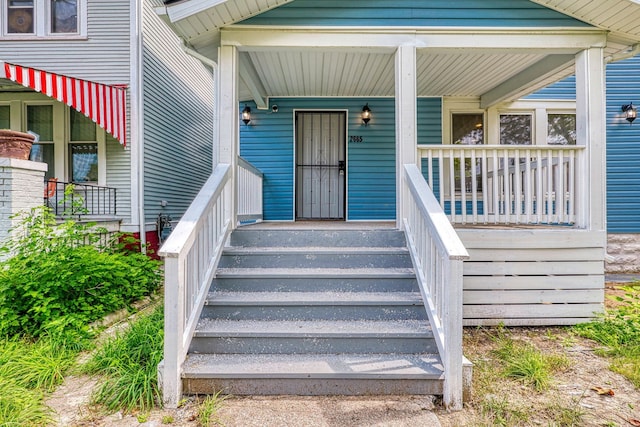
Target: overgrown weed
point(618, 331)
point(209, 410)
point(524, 362)
point(129, 363)
point(55, 279)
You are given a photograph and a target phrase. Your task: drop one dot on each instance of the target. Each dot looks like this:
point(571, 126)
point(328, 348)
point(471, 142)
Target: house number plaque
point(356, 138)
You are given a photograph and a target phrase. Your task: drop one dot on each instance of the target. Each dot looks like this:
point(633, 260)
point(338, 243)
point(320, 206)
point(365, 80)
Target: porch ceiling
point(293, 73)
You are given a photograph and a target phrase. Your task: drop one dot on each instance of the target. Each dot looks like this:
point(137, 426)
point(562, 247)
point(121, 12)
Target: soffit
point(621, 17)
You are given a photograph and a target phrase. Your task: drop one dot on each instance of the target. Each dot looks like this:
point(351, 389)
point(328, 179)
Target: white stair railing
point(249, 192)
point(438, 255)
point(505, 184)
point(191, 254)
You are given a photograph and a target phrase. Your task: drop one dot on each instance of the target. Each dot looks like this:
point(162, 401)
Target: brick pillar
point(21, 188)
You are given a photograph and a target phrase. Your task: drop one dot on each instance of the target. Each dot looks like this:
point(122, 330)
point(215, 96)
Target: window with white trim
point(516, 129)
point(71, 144)
point(44, 18)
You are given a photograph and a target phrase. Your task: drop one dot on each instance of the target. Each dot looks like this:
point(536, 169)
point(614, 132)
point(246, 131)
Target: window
point(40, 121)
point(20, 17)
point(467, 129)
point(44, 18)
point(515, 129)
point(5, 117)
point(561, 129)
point(83, 148)
point(64, 16)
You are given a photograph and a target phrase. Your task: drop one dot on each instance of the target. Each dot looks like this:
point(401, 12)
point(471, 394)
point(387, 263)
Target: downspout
point(137, 118)
point(635, 50)
point(214, 67)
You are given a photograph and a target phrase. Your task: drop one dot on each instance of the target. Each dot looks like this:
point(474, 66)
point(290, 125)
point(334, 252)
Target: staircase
point(314, 312)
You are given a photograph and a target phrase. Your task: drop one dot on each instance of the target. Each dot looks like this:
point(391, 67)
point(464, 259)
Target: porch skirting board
point(527, 277)
point(623, 253)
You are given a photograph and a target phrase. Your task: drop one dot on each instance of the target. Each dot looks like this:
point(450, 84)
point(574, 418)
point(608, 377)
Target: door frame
point(346, 156)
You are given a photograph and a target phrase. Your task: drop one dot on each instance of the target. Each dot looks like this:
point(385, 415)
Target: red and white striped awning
point(104, 104)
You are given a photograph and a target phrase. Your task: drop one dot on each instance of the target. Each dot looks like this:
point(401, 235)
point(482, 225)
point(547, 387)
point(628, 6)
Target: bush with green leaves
point(56, 278)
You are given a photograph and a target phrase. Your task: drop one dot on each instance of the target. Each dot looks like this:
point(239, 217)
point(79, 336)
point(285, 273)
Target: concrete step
point(315, 257)
point(313, 374)
point(312, 336)
point(314, 306)
point(247, 237)
point(316, 279)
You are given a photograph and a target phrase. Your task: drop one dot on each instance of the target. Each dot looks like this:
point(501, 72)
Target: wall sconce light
point(630, 112)
point(366, 114)
point(246, 114)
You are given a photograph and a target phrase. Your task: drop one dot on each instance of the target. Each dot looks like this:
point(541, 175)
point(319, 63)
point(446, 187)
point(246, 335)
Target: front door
point(320, 165)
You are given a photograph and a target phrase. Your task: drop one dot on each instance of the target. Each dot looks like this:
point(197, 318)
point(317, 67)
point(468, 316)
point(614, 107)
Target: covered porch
point(496, 233)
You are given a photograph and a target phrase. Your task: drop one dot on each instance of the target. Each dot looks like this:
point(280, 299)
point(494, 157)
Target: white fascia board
point(443, 38)
point(189, 8)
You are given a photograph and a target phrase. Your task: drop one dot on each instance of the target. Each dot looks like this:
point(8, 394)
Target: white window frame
point(42, 23)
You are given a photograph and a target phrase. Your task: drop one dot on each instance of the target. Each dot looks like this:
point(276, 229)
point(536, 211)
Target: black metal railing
point(74, 199)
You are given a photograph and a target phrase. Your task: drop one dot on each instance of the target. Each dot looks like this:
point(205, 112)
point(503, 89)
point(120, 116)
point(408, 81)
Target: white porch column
point(591, 132)
point(406, 123)
point(228, 123)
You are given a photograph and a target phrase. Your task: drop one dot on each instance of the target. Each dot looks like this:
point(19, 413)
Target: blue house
point(379, 141)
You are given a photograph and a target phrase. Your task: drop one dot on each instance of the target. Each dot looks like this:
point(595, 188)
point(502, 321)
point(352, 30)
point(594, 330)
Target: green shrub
point(57, 278)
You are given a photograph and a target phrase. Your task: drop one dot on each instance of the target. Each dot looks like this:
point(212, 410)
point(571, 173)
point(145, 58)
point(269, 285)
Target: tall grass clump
point(27, 371)
point(129, 363)
point(618, 330)
point(524, 362)
point(56, 278)
point(209, 410)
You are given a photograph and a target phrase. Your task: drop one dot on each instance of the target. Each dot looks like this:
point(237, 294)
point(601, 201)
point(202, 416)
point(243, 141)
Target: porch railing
point(249, 192)
point(191, 254)
point(85, 199)
point(505, 184)
point(438, 255)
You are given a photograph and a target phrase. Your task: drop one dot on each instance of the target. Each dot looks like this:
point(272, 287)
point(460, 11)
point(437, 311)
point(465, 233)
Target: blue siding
point(430, 131)
point(268, 143)
point(623, 148)
point(564, 90)
point(411, 13)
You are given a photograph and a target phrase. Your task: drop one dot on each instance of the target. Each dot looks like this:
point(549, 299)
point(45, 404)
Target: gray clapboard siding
point(532, 277)
point(178, 116)
point(103, 56)
point(119, 177)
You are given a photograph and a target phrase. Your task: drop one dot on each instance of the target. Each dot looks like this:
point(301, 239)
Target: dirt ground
point(571, 389)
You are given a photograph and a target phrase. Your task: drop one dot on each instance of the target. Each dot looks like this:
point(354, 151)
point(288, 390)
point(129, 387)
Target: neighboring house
point(339, 104)
point(122, 111)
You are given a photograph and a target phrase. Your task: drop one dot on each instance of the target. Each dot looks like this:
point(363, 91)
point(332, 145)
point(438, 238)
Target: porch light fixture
point(246, 114)
point(630, 112)
point(366, 114)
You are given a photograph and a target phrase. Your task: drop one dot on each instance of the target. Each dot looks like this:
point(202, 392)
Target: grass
point(128, 363)
point(503, 359)
point(28, 370)
point(526, 363)
point(618, 331)
point(209, 409)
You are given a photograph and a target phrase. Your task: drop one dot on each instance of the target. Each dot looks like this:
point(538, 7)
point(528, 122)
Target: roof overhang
point(492, 64)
